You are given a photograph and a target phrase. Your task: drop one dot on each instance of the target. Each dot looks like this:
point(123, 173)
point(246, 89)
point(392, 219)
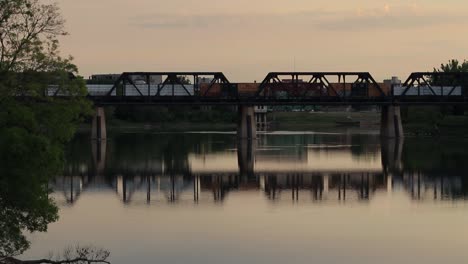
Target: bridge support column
point(391, 126)
point(246, 157)
point(99, 150)
point(246, 127)
point(99, 130)
point(392, 155)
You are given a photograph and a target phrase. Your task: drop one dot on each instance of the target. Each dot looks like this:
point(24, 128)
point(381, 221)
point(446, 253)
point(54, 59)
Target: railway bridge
point(277, 88)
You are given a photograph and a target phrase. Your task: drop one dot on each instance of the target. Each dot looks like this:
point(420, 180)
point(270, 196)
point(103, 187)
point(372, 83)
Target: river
point(288, 197)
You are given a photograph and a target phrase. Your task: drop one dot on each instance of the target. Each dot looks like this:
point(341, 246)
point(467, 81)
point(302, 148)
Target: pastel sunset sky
point(245, 39)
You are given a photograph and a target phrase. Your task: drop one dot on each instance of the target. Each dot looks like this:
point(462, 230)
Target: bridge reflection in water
point(339, 169)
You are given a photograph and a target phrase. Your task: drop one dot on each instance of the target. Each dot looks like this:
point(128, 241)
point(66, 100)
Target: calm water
point(288, 198)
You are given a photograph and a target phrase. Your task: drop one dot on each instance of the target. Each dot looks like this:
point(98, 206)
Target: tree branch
point(10, 260)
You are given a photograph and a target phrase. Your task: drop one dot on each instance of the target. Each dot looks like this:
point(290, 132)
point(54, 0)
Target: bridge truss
point(282, 88)
point(319, 85)
point(436, 84)
point(170, 81)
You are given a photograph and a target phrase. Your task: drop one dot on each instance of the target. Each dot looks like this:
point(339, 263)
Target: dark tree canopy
point(29, 50)
point(28, 36)
point(33, 125)
point(453, 66)
point(30, 65)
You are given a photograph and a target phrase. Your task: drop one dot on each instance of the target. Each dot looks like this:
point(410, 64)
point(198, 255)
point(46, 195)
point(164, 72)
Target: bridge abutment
point(99, 129)
point(246, 127)
point(391, 125)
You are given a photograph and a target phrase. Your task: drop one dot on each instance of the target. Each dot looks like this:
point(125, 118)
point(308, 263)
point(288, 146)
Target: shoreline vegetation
point(416, 122)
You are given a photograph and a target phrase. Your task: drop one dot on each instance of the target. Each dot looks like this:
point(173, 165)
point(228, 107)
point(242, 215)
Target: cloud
point(386, 17)
point(171, 21)
point(400, 17)
point(387, 8)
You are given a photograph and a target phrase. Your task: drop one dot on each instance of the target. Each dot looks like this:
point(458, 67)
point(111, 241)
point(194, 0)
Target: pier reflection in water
point(203, 168)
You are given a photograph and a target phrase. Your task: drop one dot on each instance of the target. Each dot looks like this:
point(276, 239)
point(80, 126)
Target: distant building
point(392, 82)
point(261, 117)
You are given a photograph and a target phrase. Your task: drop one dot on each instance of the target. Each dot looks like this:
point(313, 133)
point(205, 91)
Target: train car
point(247, 89)
point(425, 90)
point(293, 90)
point(141, 90)
point(215, 90)
point(100, 89)
point(289, 90)
point(228, 90)
point(360, 89)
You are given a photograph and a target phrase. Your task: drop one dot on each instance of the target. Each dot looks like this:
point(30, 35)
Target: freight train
point(271, 90)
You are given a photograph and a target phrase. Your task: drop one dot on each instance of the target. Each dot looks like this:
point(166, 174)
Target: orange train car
point(300, 89)
point(228, 90)
point(368, 90)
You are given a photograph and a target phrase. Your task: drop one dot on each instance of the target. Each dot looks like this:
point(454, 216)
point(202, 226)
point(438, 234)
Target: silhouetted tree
point(33, 126)
point(77, 255)
point(452, 66)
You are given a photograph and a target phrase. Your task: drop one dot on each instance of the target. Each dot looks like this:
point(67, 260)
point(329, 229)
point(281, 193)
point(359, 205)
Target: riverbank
point(122, 126)
point(285, 121)
point(323, 120)
point(306, 121)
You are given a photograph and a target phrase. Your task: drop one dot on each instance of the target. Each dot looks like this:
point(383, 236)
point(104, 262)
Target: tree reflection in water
point(27, 161)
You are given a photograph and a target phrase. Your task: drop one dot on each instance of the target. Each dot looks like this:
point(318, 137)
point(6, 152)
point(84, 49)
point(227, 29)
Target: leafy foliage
point(27, 160)
point(453, 66)
point(33, 125)
point(28, 36)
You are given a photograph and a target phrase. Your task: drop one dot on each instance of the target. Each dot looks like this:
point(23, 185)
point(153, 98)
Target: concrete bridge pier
point(246, 157)
point(99, 150)
point(246, 127)
point(99, 130)
point(391, 125)
point(392, 163)
point(392, 154)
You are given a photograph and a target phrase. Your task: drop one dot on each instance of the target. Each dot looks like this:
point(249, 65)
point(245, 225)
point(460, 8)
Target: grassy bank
point(416, 123)
point(446, 126)
point(117, 125)
point(321, 120)
point(433, 121)
point(278, 121)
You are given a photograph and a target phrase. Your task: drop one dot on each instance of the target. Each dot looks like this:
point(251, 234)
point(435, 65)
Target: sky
point(246, 39)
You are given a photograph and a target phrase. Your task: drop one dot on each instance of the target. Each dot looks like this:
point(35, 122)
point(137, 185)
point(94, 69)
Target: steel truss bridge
point(278, 88)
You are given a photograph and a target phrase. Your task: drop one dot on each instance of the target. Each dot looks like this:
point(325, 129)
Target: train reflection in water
point(342, 170)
